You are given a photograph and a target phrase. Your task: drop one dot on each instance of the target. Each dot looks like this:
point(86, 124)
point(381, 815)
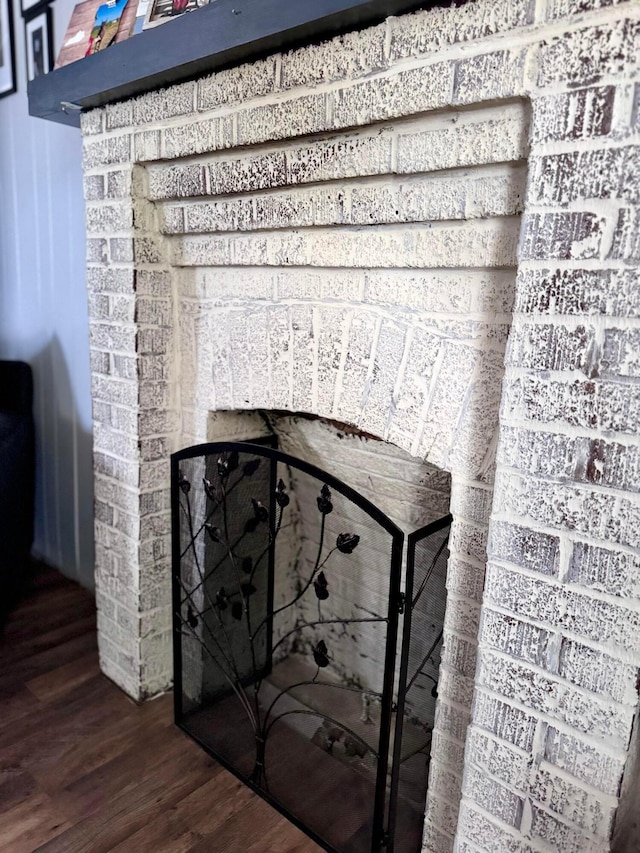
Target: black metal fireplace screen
point(288, 596)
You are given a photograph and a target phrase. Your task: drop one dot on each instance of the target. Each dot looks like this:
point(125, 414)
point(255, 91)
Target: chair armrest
point(16, 387)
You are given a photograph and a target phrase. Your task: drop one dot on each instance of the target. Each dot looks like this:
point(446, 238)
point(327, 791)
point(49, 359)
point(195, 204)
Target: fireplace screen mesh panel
point(286, 591)
point(425, 594)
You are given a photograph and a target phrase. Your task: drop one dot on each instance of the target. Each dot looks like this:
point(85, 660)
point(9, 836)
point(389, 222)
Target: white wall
point(43, 309)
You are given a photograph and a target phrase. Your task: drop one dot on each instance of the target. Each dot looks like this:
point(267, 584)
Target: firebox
point(307, 639)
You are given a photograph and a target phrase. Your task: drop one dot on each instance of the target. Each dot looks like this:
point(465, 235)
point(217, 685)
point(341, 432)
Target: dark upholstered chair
point(17, 465)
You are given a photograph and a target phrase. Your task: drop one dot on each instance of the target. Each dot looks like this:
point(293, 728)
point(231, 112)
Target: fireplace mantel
point(224, 33)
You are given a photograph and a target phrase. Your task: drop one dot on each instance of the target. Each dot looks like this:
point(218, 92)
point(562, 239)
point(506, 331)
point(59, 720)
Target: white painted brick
point(564, 797)
point(413, 390)
point(434, 29)
point(109, 336)
point(444, 813)
point(602, 515)
point(155, 312)
point(148, 250)
point(515, 638)
point(584, 759)
point(124, 640)
point(472, 502)
point(201, 251)
point(333, 324)
point(434, 840)
point(222, 391)
point(227, 285)
point(586, 55)
point(415, 201)
point(459, 653)
point(147, 146)
point(162, 104)
point(303, 346)
point(96, 250)
point(599, 620)
point(282, 119)
point(156, 423)
point(583, 114)
point(153, 282)
point(100, 280)
point(247, 174)
point(493, 797)
point(105, 152)
point(346, 57)
point(507, 764)
point(176, 181)
point(119, 183)
point(615, 572)
point(107, 440)
point(345, 156)
point(362, 332)
point(459, 140)
point(440, 290)
point(92, 122)
point(114, 391)
point(403, 93)
point(598, 672)
point(577, 292)
point(205, 217)
point(281, 324)
point(125, 366)
point(155, 475)
point(153, 394)
point(437, 246)
point(119, 115)
point(597, 404)
point(123, 419)
point(465, 579)
point(506, 722)
point(558, 834)
point(455, 686)
point(235, 85)
point(444, 783)
point(478, 827)
point(144, 216)
point(500, 74)
point(108, 218)
point(121, 249)
point(195, 137)
point(385, 367)
point(171, 219)
point(555, 698)
point(99, 306)
point(126, 472)
point(93, 187)
point(451, 721)
point(525, 547)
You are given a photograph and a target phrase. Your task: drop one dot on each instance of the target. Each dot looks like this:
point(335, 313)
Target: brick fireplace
point(427, 230)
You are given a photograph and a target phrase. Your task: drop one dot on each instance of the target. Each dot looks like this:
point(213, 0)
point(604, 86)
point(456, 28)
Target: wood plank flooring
point(83, 769)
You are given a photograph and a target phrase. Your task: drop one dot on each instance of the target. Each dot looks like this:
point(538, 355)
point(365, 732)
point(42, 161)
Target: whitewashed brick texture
point(337, 231)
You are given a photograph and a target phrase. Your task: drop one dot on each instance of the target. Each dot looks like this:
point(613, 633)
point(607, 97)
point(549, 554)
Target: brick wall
point(334, 231)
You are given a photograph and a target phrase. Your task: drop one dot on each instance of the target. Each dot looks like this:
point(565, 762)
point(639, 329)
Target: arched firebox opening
point(308, 627)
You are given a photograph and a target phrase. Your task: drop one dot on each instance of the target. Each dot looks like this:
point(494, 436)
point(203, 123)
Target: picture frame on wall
point(161, 11)
point(29, 7)
point(83, 31)
point(38, 31)
point(7, 51)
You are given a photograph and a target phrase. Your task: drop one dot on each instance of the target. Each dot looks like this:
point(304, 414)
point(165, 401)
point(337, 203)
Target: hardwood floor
point(83, 769)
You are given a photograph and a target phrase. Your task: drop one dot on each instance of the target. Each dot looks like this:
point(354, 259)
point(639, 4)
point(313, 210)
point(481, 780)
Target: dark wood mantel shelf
point(224, 33)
